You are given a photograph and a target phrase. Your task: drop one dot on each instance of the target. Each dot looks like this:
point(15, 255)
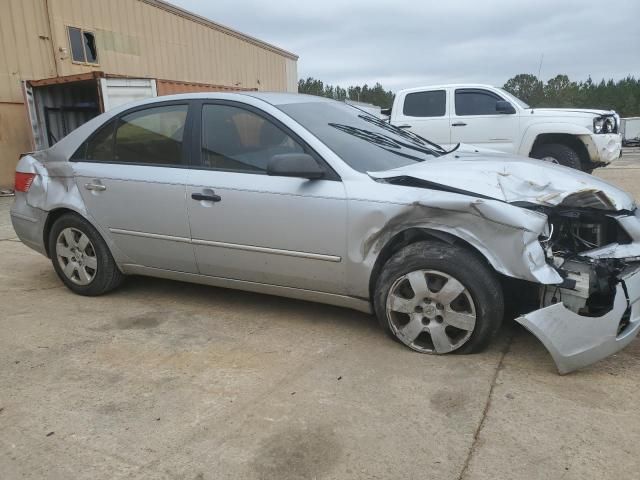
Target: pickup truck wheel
point(438, 298)
point(81, 257)
point(558, 153)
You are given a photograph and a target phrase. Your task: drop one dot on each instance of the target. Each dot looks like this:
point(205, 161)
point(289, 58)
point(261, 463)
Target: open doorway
point(61, 108)
point(57, 106)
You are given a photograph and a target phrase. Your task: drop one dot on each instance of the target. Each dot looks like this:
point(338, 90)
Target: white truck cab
point(490, 117)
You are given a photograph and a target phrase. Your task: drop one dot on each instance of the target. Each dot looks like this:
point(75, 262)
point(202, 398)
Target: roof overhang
point(221, 28)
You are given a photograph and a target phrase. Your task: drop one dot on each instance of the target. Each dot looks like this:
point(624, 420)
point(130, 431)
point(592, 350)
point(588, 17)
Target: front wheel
point(439, 298)
point(558, 153)
point(81, 257)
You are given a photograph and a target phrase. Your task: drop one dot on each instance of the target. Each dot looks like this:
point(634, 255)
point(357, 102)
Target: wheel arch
point(57, 212)
point(570, 140)
point(52, 216)
point(413, 235)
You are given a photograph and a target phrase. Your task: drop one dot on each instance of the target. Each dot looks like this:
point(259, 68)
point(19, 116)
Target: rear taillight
point(23, 181)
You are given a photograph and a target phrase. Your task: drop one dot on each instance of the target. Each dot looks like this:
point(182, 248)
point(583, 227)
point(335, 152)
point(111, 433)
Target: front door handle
point(97, 187)
point(403, 126)
point(207, 198)
point(459, 124)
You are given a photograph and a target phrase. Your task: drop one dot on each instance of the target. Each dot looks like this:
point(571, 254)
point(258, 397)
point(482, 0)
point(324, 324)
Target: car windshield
point(366, 143)
point(514, 99)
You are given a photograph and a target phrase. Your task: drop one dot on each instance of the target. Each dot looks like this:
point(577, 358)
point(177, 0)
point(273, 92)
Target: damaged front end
point(581, 255)
point(594, 312)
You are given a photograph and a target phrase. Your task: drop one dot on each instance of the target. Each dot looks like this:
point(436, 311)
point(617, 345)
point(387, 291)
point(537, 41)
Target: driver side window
point(235, 139)
point(475, 102)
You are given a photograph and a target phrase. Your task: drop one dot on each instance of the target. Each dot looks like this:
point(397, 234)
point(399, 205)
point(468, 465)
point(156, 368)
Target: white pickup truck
point(491, 117)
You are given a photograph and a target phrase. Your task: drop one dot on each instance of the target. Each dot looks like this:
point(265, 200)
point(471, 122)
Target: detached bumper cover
point(575, 341)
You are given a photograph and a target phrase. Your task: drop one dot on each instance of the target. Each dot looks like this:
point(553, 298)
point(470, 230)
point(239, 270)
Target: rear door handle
point(459, 124)
point(403, 126)
point(97, 187)
point(207, 198)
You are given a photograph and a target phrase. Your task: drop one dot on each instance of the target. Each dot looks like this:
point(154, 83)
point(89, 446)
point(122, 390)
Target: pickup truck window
point(476, 102)
point(425, 104)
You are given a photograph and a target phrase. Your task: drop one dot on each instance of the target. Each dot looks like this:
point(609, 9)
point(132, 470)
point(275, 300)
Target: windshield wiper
point(386, 125)
point(387, 143)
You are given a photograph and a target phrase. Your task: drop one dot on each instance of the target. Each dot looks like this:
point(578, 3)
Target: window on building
point(476, 102)
point(425, 104)
point(83, 45)
point(239, 140)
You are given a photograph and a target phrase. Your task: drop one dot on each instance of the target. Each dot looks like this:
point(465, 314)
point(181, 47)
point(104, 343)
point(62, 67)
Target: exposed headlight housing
point(605, 124)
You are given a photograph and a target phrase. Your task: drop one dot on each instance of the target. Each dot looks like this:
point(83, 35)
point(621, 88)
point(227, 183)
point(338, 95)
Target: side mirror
point(299, 165)
point(502, 106)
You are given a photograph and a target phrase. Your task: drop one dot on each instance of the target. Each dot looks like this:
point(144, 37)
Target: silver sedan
point(314, 199)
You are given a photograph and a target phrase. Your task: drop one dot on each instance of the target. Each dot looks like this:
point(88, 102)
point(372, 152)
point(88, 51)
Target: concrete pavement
point(169, 380)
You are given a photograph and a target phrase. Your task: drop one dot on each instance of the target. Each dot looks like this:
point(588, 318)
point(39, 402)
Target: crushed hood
point(510, 179)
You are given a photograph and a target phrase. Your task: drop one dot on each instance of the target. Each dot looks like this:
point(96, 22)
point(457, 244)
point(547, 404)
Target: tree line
point(375, 95)
point(623, 95)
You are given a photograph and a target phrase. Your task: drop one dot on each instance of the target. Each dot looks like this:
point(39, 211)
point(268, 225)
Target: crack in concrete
point(485, 411)
point(32, 289)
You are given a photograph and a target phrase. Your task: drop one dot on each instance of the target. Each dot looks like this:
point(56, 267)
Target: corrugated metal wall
point(170, 87)
point(25, 46)
point(138, 39)
point(14, 139)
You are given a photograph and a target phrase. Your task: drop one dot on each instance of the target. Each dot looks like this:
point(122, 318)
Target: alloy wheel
point(76, 256)
point(430, 311)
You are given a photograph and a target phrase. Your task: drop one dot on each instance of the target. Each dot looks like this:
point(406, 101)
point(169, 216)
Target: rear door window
point(152, 136)
point(475, 102)
point(425, 104)
point(99, 146)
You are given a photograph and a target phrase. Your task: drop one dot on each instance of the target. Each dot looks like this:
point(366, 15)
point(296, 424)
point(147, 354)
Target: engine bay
point(589, 284)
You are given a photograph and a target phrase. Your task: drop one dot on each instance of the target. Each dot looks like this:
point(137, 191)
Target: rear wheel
point(81, 257)
point(439, 298)
point(558, 153)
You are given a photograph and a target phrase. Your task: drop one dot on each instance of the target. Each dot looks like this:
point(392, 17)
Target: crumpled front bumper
point(575, 341)
point(606, 147)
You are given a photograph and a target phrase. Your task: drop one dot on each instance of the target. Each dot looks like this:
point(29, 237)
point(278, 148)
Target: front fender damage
point(575, 261)
point(506, 235)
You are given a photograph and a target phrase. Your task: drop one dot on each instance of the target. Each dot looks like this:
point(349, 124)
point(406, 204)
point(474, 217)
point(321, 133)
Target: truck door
point(120, 91)
point(476, 121)
point(425, 113)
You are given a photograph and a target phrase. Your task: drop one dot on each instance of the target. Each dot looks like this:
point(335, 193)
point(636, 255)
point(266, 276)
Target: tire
point(81, 257)
point(402, 313)
point(558, 153)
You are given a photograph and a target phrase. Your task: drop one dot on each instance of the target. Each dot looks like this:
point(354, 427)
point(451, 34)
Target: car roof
point(67, 145)
point(447, 85)
point(273, 98)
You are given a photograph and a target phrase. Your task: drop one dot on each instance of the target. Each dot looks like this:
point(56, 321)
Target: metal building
point(64, 61)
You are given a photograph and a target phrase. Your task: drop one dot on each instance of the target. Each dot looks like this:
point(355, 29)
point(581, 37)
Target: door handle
point(459, 124)
point(207, 198)
point(403, 126)
point(97, 187)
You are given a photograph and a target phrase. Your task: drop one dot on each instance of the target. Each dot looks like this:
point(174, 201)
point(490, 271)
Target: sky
point(422, 42)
